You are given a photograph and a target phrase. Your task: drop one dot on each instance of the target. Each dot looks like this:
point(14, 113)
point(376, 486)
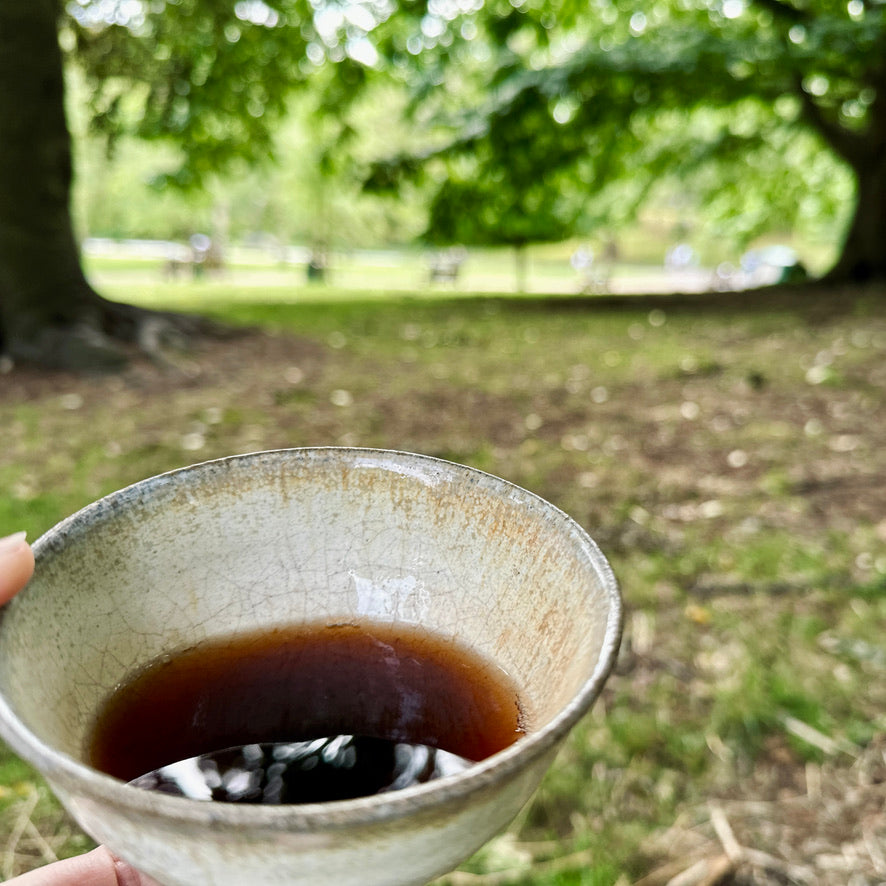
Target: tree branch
point(843, 142)
point(784, 11)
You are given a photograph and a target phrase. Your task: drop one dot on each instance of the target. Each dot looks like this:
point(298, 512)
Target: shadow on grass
point(815, 301)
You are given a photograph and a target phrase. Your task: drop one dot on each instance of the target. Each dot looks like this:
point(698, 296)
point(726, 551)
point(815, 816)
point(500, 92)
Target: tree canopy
point(728, 97)
point(530, 109)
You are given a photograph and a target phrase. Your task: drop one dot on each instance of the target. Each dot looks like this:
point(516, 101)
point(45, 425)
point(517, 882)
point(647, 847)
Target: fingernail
point(11, 542)
point(128, 875)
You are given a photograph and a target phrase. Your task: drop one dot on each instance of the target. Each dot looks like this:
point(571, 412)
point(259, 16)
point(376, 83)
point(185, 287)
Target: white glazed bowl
point(295, 536)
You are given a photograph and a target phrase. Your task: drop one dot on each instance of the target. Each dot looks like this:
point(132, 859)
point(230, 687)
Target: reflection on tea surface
point(338, 768)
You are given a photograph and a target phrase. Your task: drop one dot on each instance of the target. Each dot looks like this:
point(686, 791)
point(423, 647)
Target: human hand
point(16, 565)
point(96, 868)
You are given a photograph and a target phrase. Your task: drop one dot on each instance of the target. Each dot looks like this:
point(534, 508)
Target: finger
point(16, 565)
point(96, 868)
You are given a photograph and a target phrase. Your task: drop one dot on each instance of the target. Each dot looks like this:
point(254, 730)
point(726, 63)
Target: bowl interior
point(299, 536)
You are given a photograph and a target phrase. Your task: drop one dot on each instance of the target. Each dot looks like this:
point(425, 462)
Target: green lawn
point(729, 455)
point(404, 271)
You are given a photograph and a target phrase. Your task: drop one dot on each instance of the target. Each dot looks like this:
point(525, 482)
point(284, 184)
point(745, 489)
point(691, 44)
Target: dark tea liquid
point(306, 714)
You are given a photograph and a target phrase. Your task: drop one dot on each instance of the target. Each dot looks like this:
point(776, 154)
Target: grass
point(488, 270)
point(726, 454)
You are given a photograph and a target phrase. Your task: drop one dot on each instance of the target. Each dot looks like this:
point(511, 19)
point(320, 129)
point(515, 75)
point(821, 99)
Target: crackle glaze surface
point(321, 535)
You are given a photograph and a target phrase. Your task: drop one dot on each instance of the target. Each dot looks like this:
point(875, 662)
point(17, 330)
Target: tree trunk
point(863, 256)
point(520, 261)
point(49, 313)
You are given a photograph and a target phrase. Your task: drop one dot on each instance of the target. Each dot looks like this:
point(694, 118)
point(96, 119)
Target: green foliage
point(526, 121)
point(213, 78)
point(751, 114)
point(481, 208)
point(311, 193)
point(193, 70)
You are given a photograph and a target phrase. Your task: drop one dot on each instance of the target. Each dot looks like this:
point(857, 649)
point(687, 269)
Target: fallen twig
point(768, 862)
point(47, 853)
point(663, 875)
point(817, 739)
point(878, 859)
point(23, 819)
point(707, 872)
point(724, 833)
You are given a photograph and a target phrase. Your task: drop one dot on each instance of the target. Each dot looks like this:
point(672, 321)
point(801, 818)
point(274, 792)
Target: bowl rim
point(74, 776)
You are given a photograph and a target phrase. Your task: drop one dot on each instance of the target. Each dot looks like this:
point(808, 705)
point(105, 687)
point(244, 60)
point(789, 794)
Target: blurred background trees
point(509, 121)
point(759, 114)
point(702, 107)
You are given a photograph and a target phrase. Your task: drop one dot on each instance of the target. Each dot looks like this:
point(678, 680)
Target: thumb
point(96, 868)
point(16, 565)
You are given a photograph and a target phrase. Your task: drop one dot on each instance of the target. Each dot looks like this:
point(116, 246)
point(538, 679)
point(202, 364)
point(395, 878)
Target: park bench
point(444, 267)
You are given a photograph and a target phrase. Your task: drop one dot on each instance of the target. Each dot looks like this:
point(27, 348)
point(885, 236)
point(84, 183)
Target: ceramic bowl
point(281, 538)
